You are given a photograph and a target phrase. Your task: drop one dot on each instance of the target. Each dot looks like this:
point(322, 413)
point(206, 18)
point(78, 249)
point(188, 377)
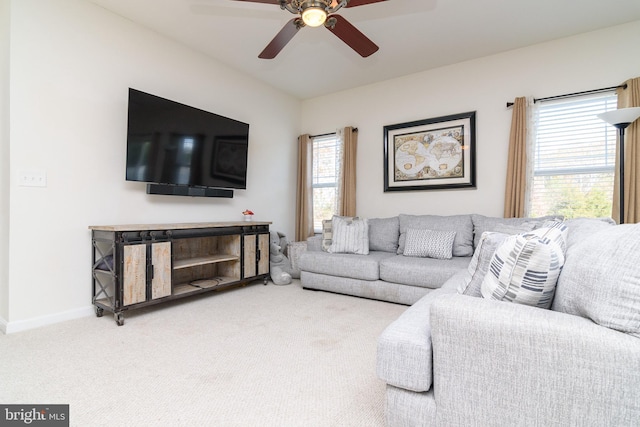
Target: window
point(326, 166)
point(573, 158)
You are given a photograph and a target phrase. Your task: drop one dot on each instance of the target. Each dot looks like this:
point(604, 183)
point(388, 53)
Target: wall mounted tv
point(182, 150)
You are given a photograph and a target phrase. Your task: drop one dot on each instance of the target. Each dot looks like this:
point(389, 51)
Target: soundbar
point(184, 190)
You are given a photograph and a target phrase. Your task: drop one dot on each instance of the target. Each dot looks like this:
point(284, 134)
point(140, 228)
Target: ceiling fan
point(314, 13)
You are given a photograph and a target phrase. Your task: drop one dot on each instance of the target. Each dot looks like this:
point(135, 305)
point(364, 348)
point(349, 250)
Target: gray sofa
point(454, 359)
point(385, 273)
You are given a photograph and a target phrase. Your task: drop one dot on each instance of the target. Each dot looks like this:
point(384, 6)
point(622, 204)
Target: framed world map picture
point(431, 154)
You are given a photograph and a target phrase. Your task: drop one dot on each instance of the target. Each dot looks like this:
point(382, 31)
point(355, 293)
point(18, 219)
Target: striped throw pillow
point(350, 235)
point(525, 267)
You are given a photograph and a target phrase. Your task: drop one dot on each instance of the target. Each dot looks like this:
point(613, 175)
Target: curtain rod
point(571, 95)
point(327, 134)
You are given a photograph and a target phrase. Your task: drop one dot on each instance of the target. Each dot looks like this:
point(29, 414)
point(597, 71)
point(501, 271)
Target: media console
point(135, 266)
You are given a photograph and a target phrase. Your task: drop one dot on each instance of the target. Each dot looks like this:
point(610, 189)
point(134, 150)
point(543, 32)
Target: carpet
point(249, 356)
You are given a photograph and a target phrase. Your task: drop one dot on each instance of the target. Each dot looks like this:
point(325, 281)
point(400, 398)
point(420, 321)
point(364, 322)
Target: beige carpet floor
point(251, 356)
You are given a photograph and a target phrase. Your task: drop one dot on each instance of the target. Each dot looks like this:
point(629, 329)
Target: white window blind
point(326, 157)
point(574, 158)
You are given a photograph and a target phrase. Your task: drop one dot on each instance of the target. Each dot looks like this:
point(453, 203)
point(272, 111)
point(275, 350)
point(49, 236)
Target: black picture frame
point(431, 154)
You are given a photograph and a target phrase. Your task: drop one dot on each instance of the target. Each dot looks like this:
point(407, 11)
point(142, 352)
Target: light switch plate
point(32, 178)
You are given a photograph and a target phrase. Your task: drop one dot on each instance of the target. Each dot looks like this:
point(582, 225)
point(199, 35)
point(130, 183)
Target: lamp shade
point(621, 117)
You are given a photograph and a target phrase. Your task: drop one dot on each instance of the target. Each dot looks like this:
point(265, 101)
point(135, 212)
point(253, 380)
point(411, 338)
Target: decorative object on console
point(248, 215)
point(431, 154)
point(621, 119)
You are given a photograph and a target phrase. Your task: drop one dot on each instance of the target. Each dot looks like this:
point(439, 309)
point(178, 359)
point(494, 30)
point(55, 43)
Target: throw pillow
point(384, 234)
point(461, 224)
point(601, 280)
point(350, 235)
point(525, 267)
point(429, 243)
point(327, 234)
point(483, 223)
point(479, 265)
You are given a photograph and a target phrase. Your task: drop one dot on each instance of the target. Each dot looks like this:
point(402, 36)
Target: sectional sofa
point(459, 356)
point(385, 272)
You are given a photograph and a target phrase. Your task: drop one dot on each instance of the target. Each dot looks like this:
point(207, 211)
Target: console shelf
point(192, 262)
point(138, 265)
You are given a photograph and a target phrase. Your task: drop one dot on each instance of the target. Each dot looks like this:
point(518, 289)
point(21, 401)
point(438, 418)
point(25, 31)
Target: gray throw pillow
point(461, 224)
point(384, 234)
point(429, 244)
point(483, 223)
point(601, 279)
point(479, 265)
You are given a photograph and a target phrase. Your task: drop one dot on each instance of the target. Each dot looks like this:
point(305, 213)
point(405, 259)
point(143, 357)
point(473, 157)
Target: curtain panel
point(304, 194)
point(516, 183)
point(629, 97)
point(347, 172)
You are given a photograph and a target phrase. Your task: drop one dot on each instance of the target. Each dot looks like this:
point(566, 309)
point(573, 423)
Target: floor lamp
point(621, 119)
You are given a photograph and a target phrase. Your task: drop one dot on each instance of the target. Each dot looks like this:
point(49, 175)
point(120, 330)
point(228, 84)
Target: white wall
point(4, 160)
point(589, 61)
point(71, 66)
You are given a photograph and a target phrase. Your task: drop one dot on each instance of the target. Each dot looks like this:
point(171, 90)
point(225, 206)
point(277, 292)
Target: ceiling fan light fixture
point(314, 16)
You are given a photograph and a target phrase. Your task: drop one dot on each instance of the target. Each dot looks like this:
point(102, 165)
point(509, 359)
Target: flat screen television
point(173, 144)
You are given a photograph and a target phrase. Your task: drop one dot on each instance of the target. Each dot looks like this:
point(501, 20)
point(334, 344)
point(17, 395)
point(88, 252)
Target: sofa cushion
point(579, 229)
point(601, 279)
point(461, 224)
point(350, 236)
point(384, 234)
point(429, 243)
point(364, 267)
point(525, 267)
point(422, 272)
point(483, 223)
point(479, 265)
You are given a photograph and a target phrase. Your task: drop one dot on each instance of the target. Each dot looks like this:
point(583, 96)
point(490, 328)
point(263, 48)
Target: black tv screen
point(172, 143)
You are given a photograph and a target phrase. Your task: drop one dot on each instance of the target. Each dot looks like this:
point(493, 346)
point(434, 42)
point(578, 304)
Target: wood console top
point(176, 226)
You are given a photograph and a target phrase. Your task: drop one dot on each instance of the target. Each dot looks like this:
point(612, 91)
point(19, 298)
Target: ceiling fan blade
point(263, 1)
point(349, 34)
point(354, 3)
point(280, 40)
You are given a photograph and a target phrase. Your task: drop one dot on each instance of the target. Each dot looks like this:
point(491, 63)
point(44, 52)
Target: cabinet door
point(263, 254)
point(161, 261)
point(250, 260)
point(134, 277)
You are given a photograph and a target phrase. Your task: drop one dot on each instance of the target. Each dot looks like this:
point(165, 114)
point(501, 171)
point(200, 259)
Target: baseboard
point(37, 322)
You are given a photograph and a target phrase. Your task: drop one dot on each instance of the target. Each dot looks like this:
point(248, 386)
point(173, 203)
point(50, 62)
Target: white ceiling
point(413, 35)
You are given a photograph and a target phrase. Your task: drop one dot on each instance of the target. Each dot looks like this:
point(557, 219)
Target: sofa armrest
point(404, 348)
point(509, 364)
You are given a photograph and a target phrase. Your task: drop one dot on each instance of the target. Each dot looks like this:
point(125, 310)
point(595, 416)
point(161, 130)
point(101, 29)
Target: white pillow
point(525, 267)
point(350, 236)
point(429, 243)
